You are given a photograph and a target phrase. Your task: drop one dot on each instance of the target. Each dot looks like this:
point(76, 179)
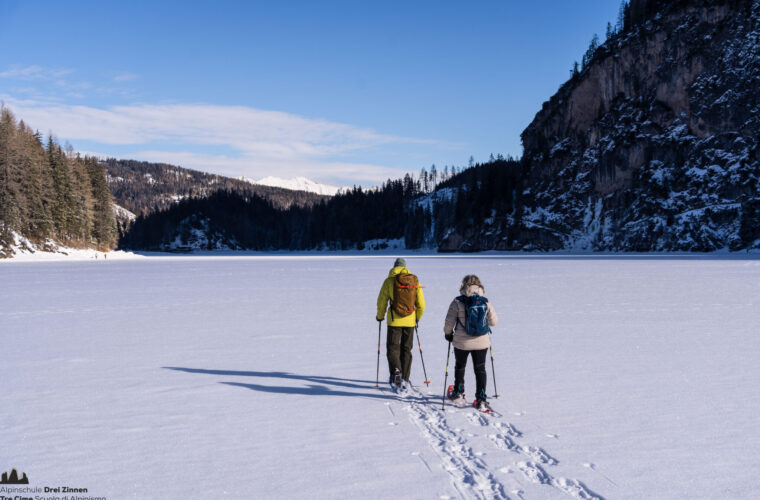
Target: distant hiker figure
point(467, 326)
point(407, 304)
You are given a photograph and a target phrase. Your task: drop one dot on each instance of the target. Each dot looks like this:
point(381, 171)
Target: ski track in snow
point(470, 475)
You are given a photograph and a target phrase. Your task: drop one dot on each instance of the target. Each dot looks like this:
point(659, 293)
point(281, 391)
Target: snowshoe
point(456, 397)
point(482, 406)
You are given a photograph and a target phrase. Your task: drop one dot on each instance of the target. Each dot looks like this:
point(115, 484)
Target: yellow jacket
point(386, 295)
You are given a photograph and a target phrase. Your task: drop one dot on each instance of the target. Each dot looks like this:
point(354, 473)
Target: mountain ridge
point(298, 183)
point(653, 146)
point(144, 187)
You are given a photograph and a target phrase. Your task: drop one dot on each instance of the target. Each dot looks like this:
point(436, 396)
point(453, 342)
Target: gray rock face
point(654, 146)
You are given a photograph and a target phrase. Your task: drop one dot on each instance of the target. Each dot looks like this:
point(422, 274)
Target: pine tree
point(39, 188)
point(425, 181)
point(103, 221)
point(81, 195)
point(63, 202)
point(620, 25)
point(589, 55)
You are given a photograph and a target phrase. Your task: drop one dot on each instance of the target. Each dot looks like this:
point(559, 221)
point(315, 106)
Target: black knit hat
point(400, 262)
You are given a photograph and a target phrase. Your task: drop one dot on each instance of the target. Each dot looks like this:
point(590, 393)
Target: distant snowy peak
point(297, 184)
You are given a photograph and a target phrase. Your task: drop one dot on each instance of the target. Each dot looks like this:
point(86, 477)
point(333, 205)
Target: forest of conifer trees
point(419, 211)
point(49, 195)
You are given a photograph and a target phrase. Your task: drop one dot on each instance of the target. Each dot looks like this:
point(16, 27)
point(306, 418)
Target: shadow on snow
point(315, 385)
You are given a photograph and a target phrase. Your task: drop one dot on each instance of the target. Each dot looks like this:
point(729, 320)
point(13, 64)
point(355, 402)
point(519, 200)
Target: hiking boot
point(397, 378)
point(482, 405)
point(454, 394)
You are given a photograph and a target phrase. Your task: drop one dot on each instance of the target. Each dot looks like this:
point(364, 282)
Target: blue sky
point(339, 92)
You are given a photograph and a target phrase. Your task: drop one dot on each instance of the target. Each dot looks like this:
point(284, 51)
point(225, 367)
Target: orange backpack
point(404, 300)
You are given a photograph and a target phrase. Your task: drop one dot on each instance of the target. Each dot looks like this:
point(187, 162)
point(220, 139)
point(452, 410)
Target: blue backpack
point(475, 314)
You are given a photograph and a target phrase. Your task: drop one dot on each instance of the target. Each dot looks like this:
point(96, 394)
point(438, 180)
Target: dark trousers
point(478, 363)
point(398, 347)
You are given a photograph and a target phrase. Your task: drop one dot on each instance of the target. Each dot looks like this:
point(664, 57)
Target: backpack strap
point(463, 300)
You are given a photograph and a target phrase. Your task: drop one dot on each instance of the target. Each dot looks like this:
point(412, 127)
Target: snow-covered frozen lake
point(253, 377)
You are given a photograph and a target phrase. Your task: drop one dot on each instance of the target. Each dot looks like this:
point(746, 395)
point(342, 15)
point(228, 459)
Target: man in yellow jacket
point(400, 339)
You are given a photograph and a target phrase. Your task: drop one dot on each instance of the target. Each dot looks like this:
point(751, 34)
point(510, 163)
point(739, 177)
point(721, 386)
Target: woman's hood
point(473, 290)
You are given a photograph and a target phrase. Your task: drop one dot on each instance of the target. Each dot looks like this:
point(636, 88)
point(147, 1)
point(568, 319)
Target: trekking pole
point(446, 378)
point(379, 328)
point(493, 372)
point(424, 371)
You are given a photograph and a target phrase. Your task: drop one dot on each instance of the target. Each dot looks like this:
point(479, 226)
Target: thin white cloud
point(34, 72)
point(65, 84)
point(125, 77)
point(242, 128)
point(260, 142)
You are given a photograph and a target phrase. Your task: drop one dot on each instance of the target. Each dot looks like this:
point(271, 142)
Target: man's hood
point(398, 270)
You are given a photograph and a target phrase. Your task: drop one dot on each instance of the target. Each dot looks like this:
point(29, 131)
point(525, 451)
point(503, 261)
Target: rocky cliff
point(654, 146)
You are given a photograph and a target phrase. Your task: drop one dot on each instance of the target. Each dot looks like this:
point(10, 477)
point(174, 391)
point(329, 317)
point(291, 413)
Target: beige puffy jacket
point(462, 340)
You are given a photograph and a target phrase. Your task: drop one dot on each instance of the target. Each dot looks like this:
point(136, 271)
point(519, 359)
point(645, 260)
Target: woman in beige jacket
point(466, 344)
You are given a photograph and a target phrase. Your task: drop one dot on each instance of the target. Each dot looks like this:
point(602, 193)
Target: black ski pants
point(398, 348)
point(478, 363)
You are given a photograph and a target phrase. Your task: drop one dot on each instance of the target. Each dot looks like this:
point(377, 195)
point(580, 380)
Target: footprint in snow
point(534, 473)
point(508, 429)
point(477, 419)
point(575, 489)
point(503, 442)
point(539, 455)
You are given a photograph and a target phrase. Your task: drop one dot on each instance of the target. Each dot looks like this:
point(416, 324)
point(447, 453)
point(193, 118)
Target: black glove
point(379, 320)
point(449, 337)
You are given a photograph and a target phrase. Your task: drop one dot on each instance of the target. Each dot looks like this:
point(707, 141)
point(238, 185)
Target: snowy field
point(253, 377)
